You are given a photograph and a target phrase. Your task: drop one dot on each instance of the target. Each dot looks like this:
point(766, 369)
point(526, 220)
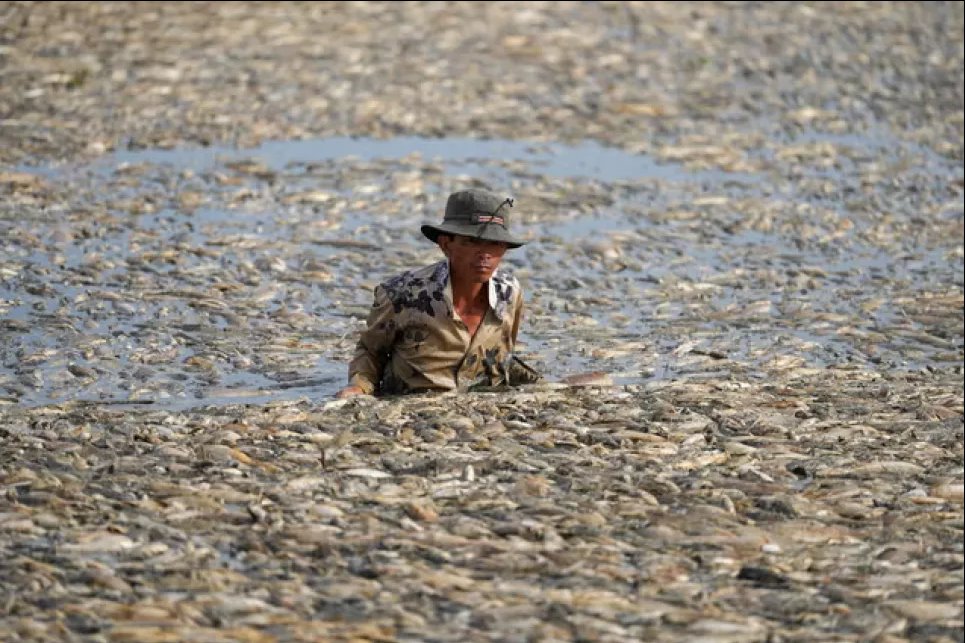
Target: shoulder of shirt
point(418, 277)
point(506, 288)
point(505, 278)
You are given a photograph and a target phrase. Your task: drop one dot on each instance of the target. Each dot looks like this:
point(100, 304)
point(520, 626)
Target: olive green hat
point(475, 213)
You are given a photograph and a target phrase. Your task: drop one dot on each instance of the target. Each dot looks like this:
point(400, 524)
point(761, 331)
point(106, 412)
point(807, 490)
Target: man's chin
point(482, 276)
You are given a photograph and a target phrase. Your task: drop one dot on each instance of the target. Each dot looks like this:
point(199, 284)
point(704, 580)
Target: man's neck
point(471, 293)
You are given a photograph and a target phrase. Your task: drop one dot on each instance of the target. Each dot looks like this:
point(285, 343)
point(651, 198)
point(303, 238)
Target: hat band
point(488, 218)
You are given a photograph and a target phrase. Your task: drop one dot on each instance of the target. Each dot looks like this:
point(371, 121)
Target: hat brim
point(482, 231)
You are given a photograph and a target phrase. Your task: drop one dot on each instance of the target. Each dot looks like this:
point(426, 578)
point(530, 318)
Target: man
point(453, 324)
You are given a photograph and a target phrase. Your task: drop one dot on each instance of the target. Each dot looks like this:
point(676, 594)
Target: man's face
point(472, 259)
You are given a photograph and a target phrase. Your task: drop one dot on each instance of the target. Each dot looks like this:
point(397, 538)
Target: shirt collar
point(498, 288)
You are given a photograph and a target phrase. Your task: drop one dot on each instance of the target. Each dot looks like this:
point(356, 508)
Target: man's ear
point(444, 240)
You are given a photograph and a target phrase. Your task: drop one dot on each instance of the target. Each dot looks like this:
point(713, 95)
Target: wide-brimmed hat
point(475, 213)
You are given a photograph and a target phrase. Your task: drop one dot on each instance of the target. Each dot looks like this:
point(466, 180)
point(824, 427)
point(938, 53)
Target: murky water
point(659, 257)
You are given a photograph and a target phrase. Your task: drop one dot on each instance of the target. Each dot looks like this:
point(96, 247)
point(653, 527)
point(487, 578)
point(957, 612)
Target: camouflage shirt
point(415, 341)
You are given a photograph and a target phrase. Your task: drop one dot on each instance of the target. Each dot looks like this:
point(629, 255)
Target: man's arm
point(517, 317)
point(517, 371)
point(372, 350)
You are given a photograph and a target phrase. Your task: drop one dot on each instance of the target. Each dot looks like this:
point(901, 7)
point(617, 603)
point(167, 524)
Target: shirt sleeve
point(517, 317)
point(374, 345)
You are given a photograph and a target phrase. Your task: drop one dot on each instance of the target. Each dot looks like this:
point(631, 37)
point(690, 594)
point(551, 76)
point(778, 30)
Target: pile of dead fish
point(746, 296)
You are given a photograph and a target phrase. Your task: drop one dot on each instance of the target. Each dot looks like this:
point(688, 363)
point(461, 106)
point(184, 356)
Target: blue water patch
point(588, 159)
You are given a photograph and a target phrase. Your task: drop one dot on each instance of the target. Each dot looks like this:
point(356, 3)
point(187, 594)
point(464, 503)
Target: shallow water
point(459, 155)
point(678, 263)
